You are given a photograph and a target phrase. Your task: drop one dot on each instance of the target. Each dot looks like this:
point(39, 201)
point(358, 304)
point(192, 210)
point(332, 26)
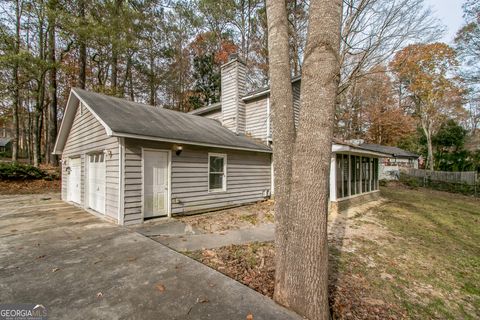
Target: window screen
point(216, 178)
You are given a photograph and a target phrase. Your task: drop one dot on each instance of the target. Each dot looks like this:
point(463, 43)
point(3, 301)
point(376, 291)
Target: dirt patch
point(235, 218)
point(29, 186)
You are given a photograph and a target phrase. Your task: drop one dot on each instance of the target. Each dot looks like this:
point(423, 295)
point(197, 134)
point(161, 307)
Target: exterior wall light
point(178, 149)
point(107, 152)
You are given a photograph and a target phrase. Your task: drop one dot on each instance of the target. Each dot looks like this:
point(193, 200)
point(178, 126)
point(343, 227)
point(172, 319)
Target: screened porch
point(354, 175)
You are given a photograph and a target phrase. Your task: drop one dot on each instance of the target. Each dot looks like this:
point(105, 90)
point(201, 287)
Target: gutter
point(141, 137)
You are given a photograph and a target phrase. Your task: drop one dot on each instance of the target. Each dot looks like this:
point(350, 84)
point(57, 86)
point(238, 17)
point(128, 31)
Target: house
point(131, 162)
point(5, 145)
point(390, 166)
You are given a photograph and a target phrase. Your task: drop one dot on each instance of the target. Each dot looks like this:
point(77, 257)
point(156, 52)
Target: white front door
point(155, 183)
point(96, 182)
point(74, 180)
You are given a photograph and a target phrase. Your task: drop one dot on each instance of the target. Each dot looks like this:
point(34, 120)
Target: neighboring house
point(130, 162)
point(5, 145)
point(399, 158)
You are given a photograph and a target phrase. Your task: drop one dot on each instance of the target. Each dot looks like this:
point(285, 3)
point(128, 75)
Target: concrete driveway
point(82, 267)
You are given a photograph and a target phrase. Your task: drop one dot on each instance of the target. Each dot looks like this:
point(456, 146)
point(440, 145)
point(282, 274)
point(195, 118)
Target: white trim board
point(141, 137)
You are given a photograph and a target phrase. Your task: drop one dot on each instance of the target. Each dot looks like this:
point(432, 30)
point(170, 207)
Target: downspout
point(268, 118)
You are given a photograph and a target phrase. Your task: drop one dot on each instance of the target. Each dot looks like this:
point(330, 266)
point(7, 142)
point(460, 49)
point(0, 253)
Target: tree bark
point(16, 84)
point(115, 49)
point(302, 283)
point(82, 47)
point(283, 136)
point(52, 110)
point(151, 80)
point(426, 126)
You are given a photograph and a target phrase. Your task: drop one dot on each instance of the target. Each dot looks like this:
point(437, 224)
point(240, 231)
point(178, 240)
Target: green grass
point(432, 253)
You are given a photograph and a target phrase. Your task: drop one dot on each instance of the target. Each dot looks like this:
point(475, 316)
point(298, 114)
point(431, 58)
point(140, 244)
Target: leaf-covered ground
point(29, 186)
point(235, 218)
point(414, 255)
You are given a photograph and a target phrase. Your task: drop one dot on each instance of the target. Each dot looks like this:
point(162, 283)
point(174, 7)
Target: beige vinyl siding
point(248, 175)
point(241, 77)
point(87, 135)
point(233, 87)
point(256, 119)
point(215, 115)
point(257, 113)
point(229, 97)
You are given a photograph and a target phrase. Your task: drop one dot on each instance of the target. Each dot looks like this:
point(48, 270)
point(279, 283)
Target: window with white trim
point(217, 172)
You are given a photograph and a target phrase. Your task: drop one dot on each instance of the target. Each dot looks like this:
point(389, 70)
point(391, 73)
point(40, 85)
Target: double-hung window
point(217, 172)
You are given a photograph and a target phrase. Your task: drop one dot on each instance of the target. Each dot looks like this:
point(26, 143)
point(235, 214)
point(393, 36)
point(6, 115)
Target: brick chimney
point(233, 86)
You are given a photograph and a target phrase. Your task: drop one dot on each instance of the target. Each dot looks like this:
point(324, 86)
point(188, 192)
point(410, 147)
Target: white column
point(333, 178)
point(272, 177)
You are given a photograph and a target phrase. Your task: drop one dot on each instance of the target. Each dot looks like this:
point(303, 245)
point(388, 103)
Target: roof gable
point(124, 118)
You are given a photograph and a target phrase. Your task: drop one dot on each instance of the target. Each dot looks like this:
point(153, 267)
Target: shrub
point(17, 171)
point(411, 182)
point(5, 154)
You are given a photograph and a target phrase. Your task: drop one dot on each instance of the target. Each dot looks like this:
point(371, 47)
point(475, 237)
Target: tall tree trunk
point(303, 282)
point(283, 135)
point(52, 110)
point(114, 76)
point(16, 84)
point(82, 76)
point(37, 123)
point(151, 81)
point(40, 98)
point(426, 126)
point(430, 160)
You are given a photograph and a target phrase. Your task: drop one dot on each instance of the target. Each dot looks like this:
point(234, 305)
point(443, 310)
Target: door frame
point(87, 182)
point(69, 191)
point(169, 177)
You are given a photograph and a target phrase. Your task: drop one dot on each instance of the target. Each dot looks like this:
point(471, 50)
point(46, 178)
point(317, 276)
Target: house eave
point(337, 148)
point(150, 138)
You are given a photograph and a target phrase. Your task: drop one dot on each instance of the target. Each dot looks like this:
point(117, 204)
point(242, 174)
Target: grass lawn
point(416, 254)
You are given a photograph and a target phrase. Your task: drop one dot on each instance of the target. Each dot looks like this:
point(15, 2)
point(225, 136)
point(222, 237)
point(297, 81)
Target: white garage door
point(74, 180)
point(96, 182)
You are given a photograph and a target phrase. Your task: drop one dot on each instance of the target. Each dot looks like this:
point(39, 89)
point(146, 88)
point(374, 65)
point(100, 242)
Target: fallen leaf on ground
point(55, 269)
point(250, 316)
point(202, 300)
point(160, 287)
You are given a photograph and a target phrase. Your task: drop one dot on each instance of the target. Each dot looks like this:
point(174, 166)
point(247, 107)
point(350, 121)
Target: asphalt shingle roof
point(4, 141)
point(128, 117)
point(394, 151)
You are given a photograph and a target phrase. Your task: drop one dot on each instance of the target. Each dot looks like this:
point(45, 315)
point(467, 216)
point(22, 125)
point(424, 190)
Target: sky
point(449, 12)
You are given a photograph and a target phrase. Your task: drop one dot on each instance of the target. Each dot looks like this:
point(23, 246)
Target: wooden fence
point(461, 182)
point(467, 177)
